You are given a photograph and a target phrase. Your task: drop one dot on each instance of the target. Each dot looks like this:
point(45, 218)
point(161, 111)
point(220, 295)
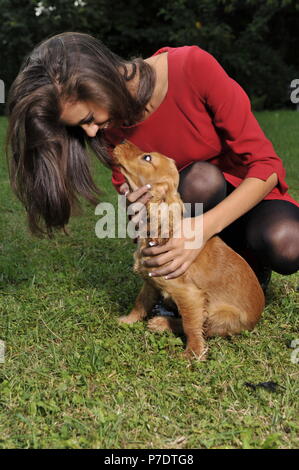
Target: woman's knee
point(204, 183)
point(279, 247)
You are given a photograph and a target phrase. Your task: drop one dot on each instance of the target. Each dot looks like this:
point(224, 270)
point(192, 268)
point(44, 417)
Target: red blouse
point(205, 115)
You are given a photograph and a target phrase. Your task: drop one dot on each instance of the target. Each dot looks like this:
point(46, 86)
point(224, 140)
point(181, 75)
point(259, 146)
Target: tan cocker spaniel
point(219, 293)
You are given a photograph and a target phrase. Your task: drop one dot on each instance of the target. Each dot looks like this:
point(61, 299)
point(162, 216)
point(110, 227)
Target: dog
point(219, 294)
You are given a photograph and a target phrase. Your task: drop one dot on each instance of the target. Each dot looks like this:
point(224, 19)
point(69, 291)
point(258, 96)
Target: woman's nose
point(90, 129)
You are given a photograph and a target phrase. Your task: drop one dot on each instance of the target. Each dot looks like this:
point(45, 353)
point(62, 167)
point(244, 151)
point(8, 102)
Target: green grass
point(74, 378)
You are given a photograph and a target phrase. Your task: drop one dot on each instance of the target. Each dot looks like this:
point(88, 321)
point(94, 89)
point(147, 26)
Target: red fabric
point(205, 115)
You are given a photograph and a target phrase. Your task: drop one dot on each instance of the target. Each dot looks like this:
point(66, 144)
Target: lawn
point(74, 378)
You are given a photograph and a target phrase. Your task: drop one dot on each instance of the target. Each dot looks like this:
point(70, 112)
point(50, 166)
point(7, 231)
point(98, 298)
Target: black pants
point(267, 235)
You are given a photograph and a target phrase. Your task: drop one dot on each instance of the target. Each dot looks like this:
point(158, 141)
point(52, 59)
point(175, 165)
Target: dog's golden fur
point(219, 293)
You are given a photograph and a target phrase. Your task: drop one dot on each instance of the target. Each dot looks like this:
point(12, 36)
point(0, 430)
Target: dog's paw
point(196, 355)
point(158, 324)
point(128, 319)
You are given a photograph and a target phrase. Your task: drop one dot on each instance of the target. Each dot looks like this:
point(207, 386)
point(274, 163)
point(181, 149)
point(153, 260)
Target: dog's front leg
point(144, 303)
point(193, 312)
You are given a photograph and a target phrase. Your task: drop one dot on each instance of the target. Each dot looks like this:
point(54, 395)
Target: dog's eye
point(147, 158)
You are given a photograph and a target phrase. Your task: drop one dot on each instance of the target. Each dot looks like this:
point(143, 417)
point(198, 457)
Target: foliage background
point(256, 41)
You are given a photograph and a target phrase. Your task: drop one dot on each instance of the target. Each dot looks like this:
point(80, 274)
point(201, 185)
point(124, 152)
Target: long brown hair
point(48, 161)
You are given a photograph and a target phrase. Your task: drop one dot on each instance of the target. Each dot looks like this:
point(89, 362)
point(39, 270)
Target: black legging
point(267, 235)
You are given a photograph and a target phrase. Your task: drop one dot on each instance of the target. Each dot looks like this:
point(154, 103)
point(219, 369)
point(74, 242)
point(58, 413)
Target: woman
point(72, 92)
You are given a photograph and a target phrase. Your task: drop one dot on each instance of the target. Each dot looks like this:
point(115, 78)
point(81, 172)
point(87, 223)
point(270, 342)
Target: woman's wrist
point(209, 225)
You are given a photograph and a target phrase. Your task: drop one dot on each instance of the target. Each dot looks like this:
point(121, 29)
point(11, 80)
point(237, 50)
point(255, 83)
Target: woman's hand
point(133, 201)
point(176, 251)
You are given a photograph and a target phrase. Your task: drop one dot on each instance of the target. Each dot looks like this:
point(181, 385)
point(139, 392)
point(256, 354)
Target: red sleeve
point(232, 116)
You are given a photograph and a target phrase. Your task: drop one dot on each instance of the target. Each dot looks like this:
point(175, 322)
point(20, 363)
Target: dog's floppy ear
point(164, 191)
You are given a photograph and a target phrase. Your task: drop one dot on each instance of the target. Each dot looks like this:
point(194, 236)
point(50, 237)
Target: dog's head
point(140, 168)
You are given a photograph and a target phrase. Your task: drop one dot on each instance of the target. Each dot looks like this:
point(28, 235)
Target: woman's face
point(85, 114)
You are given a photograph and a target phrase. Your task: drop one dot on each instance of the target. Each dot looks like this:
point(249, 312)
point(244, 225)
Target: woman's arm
point(230, 109)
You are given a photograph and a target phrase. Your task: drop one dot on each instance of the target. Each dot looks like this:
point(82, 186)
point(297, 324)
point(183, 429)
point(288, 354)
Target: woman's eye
point(106, 124)
point(147, 158)
point(89, 120)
